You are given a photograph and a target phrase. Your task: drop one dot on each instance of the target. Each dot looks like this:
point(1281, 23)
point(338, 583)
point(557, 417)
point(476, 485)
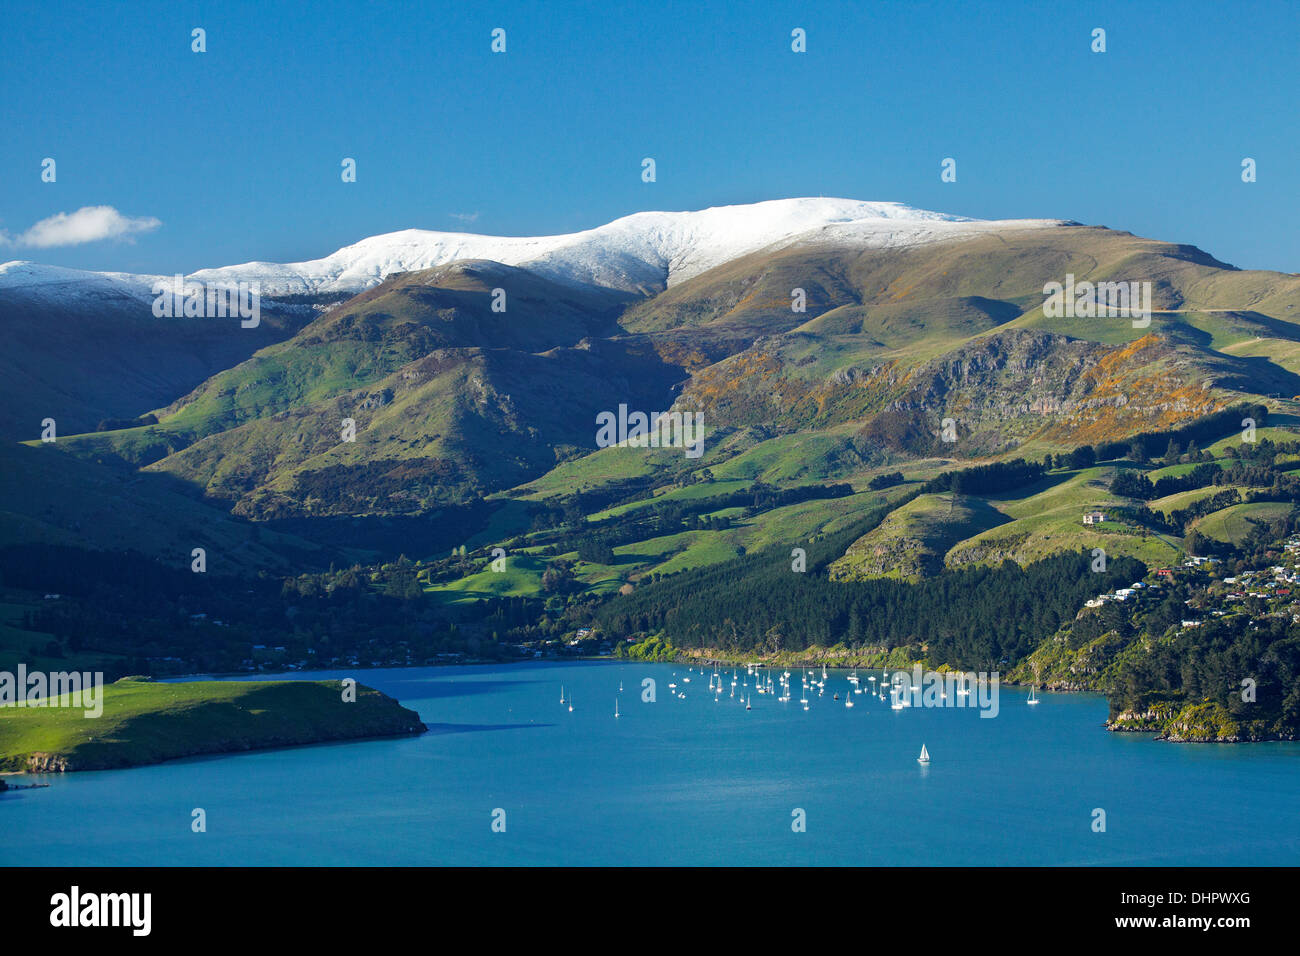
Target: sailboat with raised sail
point(616, 708)
point(1033, 694)
point(925, 755)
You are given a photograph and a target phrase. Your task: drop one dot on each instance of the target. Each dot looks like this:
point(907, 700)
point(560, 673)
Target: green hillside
point(145, 722)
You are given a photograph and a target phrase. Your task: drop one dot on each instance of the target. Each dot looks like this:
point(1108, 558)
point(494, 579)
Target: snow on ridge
point(35, 280)
point(644, 249)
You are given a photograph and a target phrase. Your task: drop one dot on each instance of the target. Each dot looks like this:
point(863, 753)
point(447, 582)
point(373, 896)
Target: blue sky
point(236, 151)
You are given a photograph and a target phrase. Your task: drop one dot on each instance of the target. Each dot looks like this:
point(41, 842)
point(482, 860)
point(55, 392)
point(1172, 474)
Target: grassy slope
point(1182, 499)
point(1043, 519)
point(912, 541)
point(1048, 518)
point(145, 722)
point(662, 496)
point(1233, 524)
point(58, 499)
point(522, 577)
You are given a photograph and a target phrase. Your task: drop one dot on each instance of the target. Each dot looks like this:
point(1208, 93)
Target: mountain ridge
point(634, 252)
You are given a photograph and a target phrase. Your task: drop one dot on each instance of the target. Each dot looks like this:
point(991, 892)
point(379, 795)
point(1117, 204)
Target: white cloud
point(87, 224)
point(464, 216)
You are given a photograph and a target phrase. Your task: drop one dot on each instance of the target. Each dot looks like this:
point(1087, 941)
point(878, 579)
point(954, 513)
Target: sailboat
point(561, 695)
point(615, 707)
point(748, 706)
point(1033, 697)
point(848, 701)
point(570, 703)
point(925, 755)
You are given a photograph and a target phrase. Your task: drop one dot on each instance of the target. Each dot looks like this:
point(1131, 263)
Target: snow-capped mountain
point(641, 251)
point(39, 283)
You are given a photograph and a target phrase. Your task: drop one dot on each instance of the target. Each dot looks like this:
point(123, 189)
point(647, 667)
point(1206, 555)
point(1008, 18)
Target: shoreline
point(1124, 723)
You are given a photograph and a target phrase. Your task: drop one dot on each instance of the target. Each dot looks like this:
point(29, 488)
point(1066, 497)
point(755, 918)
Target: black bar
point(926, 905)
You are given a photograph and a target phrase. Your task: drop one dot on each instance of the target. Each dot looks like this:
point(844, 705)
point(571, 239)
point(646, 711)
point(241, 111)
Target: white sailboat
point(925, 755)
point(848, 701)
point(561, 695)
point(616, 707)
point(1033, 696)
point(570, 703)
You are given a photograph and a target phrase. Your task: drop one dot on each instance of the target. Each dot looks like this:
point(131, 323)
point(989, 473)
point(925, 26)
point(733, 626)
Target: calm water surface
point(680, 781)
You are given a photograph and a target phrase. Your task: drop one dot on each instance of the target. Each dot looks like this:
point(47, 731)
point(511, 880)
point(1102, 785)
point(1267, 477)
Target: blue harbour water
point(680, 781)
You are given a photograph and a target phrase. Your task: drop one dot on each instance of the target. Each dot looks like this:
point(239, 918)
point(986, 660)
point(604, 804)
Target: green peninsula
point(144, 722)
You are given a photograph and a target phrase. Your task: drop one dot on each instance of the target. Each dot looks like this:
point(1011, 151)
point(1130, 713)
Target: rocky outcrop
point(1207, 722)
point(47, 763)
